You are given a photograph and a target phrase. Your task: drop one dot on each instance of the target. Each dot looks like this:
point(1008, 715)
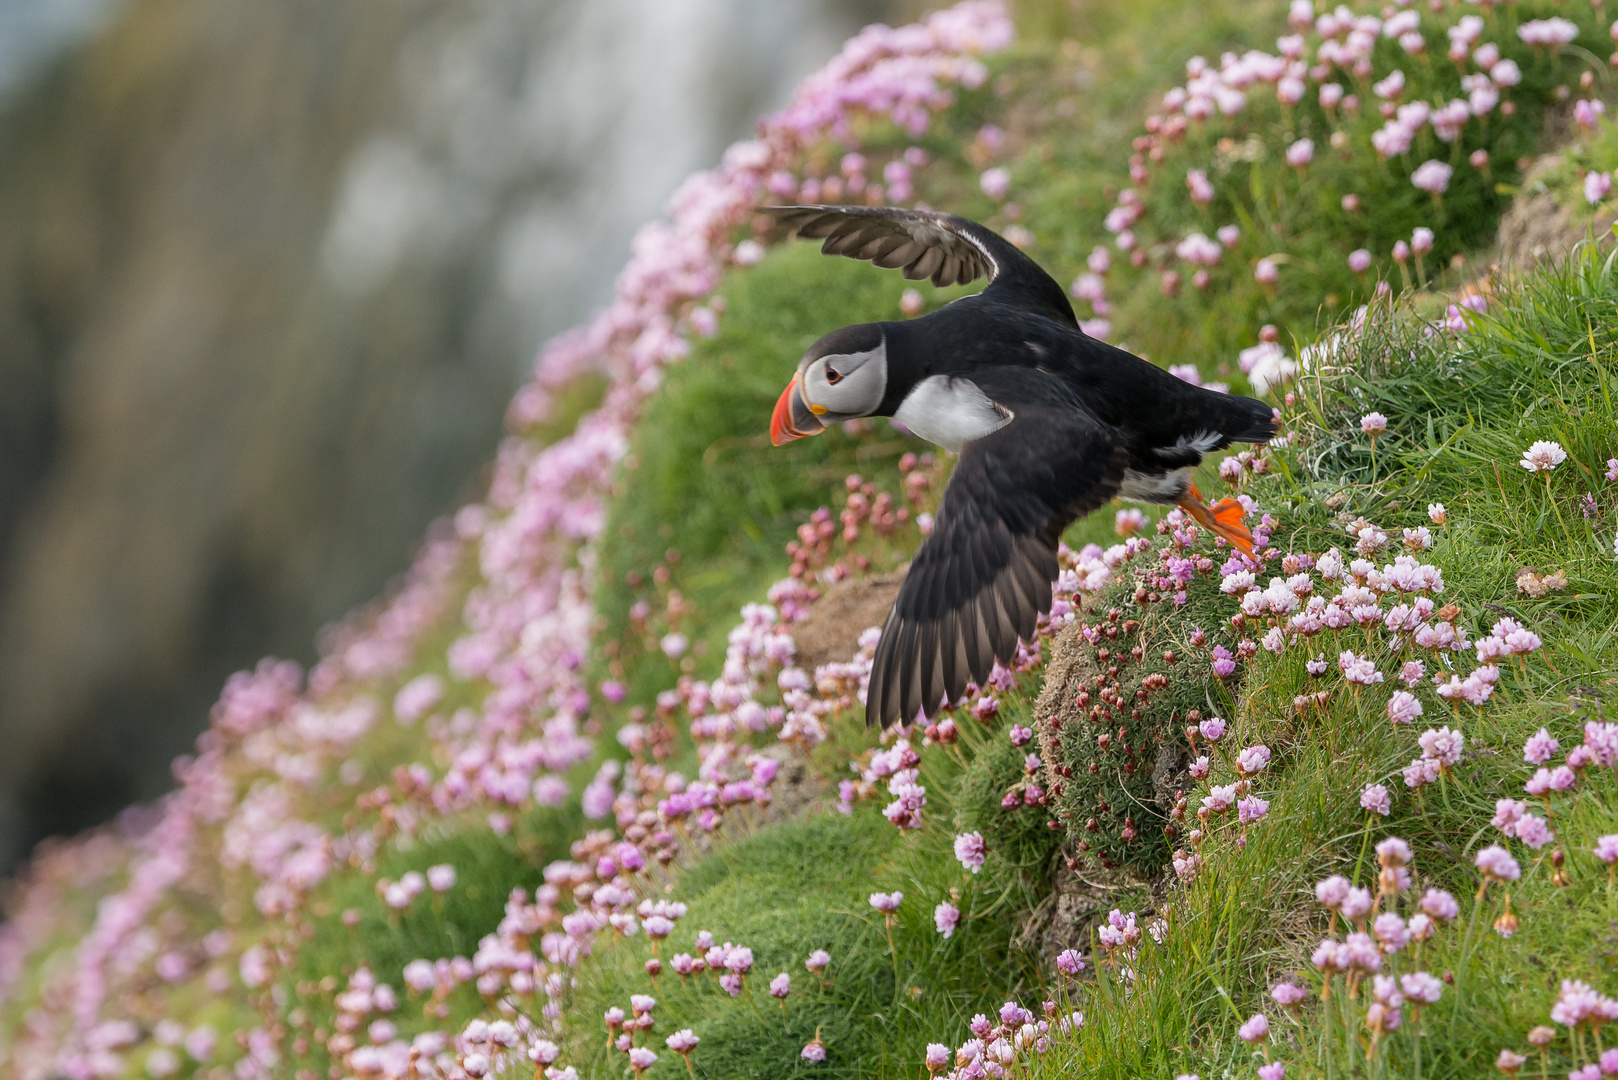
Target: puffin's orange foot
point(1223, 518)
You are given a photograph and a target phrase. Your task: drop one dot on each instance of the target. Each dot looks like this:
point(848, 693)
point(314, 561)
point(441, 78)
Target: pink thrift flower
point(1252, 809)
point(996, 183)
point(1372, 423)
point(1596, 186)
point(1212, 728)
point(1275, 1070)
point(1331, 892)
point(1442, 745)
point(1403, 707)
point(971, 850)
point(1288, 994)
point(1255, 1030)
point(887, 902)
point(1301, 153)
point(1359, 260)
point(1540, 747)
point(814, 1051)
point(946, 917)
point(781, 986)
point(1432, 177)
point(1253, 759)
point(1375, 799)
point(818, 961)
point(1496, 864)
point(1606, 848)
point(1070, 963)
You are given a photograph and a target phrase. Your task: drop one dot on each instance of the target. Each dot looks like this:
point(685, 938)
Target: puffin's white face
point(836, 380)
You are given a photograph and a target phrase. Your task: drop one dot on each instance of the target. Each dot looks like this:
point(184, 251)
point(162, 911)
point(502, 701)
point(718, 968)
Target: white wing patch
point(951, 412)
point(1201, 442)
point(1162, 488)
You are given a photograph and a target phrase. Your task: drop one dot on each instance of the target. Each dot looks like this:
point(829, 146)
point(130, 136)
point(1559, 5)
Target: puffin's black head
point(843, 375)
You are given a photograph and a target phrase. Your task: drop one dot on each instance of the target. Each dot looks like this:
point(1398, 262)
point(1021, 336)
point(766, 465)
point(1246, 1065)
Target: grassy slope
point(1459, 414)
point(1066, 160)
point(709, 486)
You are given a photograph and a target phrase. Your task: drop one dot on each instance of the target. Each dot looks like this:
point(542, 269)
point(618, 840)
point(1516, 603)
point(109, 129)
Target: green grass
point(784, 891)
point(1461, 414)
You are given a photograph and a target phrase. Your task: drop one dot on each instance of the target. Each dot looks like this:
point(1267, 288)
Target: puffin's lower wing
point(984, 576)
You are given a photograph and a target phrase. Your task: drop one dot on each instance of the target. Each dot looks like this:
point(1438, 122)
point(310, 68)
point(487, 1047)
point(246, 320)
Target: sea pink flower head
point(996, 183)
point(641, 1059)
point(1442, 745)
point(814, 1051)
point(1597, 185)
point(1606, 848)
point(1275, 1070)
point(1497, 864)
point(1069, 962)
point(1301, 153)
point(1403, 707)
point(1543, 456)
point(1253, 759)
point(1331, 892)
point(937, 1057)
point(1356, 905)
point(781, 985)
point(887, 902)
point(683, 1041)
point(1376, 800)
point(946, 917)
point(1359, 260)
point(971, 851)
point(1212, 728)
point(1509, 1062)
point(441, 878)
point(1421, 240)
point(1288, 994)
point(818, 961)
point(1373, 423)
point(1540, 747)
point(1393, 851)
point(1255, 1030)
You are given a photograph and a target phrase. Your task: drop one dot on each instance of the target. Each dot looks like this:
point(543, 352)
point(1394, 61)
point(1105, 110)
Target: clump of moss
point(1109, 723)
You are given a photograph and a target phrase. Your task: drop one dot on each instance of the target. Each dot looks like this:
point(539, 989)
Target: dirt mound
point(1540, 227)
point(831, 632)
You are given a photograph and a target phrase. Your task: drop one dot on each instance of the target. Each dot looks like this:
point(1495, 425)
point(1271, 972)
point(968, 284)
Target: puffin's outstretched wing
point(948, 249)
point(984, 576)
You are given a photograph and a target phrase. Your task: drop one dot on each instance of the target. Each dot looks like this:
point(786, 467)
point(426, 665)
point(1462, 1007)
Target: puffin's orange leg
point(1223, 518)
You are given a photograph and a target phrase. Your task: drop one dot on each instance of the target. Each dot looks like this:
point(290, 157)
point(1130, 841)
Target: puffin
point(1046, 422)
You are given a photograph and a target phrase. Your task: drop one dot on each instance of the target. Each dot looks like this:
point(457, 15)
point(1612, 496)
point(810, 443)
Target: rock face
point(269, 273)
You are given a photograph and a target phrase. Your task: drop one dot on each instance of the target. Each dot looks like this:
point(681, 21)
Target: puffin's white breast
point(950, 412)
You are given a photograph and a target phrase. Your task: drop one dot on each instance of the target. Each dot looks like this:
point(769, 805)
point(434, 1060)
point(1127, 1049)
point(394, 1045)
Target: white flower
point(1543, 456)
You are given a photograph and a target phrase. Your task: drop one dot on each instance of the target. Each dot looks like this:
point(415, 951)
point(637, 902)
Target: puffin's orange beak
point(793, 418)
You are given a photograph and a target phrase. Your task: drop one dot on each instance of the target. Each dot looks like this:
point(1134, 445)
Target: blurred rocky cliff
point(269, 273)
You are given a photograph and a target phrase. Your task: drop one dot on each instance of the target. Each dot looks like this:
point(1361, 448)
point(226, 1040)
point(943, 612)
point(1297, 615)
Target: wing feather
point(948, 249)
point(983, 577)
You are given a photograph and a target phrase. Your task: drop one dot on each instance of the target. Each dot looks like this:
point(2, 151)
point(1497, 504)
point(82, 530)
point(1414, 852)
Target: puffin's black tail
point(1245, 419)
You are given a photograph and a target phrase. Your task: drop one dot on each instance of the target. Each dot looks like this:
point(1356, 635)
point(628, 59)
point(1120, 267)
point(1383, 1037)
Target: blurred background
point(269, 274)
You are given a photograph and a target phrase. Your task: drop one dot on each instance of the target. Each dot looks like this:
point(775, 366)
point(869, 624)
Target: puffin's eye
point(833, 376)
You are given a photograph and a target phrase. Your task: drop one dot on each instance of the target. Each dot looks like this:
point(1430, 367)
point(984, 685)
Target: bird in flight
point(1049, 424)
